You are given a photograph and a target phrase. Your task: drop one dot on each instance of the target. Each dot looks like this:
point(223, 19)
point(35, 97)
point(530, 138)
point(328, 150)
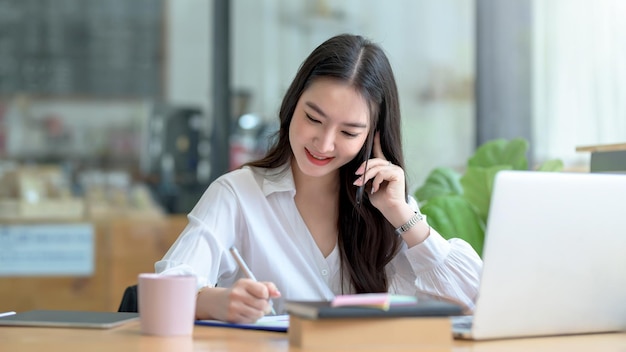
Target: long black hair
point(367, 241)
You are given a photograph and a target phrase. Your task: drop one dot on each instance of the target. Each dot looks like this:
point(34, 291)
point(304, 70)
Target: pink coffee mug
point(167, 304)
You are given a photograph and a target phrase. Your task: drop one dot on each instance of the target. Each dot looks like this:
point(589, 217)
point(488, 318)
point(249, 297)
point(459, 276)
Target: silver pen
point(246, 270)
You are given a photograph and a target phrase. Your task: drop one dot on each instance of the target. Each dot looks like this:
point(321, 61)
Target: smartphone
point(368, 154)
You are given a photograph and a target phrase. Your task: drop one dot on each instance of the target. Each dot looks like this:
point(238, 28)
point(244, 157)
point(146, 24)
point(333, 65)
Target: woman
point(299, 216)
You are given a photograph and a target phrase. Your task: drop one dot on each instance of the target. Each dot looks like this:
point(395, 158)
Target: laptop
point(554, 260)
point(68, 319)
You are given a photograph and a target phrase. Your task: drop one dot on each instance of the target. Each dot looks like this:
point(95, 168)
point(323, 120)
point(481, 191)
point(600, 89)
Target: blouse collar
point(279, 179)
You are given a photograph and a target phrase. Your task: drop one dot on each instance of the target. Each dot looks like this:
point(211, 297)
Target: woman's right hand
point(245, 302)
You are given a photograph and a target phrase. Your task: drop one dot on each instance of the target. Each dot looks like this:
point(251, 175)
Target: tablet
point(68, 319)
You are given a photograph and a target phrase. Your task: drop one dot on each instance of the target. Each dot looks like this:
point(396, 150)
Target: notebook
point(276, 323)
point(68, 319)
point(554, 258)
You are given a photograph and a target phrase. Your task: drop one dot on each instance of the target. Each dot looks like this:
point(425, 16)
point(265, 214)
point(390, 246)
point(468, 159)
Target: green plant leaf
point(452, 216)
point(477, 187)
point(501, 152)
point(441, 181)
point(551, 165)
point(458, 206)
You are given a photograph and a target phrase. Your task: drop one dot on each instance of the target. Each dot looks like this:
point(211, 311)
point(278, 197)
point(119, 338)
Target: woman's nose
point(325, 142)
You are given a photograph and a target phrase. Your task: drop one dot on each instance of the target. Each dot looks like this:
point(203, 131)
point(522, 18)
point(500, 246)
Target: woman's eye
point(348, 134)
point(312, 119)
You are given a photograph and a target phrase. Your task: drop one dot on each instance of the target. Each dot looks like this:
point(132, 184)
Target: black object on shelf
point(175, 159)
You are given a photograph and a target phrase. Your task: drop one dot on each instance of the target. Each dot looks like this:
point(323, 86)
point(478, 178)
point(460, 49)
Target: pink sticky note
point(375, 300)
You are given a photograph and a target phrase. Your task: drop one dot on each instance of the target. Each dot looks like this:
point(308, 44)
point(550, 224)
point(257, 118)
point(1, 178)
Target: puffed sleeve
point(447, 269)
point(438, 268)
point(202, 247)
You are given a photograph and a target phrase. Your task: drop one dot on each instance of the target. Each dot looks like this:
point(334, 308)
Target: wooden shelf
point(124, 247)
point(602, 148)
point(606, 158)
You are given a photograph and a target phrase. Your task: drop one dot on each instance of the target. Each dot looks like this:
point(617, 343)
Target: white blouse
point(254, 210)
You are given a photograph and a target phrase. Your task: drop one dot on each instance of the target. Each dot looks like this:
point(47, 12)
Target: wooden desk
point(129, 338)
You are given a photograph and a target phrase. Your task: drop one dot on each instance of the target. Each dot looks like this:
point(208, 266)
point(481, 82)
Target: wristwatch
point(412, 221)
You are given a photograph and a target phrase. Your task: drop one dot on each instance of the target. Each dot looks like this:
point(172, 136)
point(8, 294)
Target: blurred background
point(116, 115)
point(153, 99)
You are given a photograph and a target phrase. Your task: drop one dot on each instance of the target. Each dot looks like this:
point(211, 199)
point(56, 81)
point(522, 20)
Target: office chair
point(129, 300)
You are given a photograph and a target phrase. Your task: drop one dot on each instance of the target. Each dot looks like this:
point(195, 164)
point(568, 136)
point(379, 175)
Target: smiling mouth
point(318, 159)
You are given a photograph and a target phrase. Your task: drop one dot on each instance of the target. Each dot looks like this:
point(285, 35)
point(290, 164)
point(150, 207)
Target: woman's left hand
point(387, 189)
